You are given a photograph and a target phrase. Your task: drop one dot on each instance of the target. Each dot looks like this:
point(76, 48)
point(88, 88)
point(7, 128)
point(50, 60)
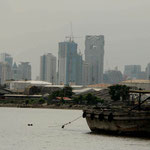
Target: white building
point(140, 84)
point(48, 68)
point(18, 86)
point(24, 71)
point(94, 56)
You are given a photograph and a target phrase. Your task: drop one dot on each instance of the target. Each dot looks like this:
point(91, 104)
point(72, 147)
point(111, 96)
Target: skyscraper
point(85, 73)
point(4, 57)
point(79, 68)
point(148, 71)
point(5, 72)
point(94, 56)
point(113, 76)
point(15, 72)
point(132, 71)
point(69, 63)
point(48, 68)
point(24, 70)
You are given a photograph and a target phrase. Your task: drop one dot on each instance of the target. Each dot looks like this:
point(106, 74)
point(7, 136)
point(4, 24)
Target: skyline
point(28, 29)
point(34, 76)
point(133, 71)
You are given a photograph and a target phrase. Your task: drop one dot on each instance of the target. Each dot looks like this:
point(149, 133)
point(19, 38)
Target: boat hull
point(130, 124)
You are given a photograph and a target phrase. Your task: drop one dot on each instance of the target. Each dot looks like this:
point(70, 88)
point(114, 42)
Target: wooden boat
point(128, 120)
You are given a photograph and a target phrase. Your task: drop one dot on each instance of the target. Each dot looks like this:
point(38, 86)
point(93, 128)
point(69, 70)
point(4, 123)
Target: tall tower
point(94, 56)
point(48, 68)
point(132, 71)
point(69, 63)
point(4, 57)
point(15, 72)
point(24, 70)
point(5, 72)
point(148, 71)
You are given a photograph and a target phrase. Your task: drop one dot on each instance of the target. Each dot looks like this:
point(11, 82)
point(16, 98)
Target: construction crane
point(71, 37)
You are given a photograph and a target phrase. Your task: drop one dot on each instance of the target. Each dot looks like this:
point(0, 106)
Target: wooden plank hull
point(137, 123)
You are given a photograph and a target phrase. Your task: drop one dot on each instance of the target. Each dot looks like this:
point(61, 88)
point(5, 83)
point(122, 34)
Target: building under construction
point(69, 63)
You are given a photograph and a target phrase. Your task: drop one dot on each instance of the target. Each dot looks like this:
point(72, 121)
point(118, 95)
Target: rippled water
point(47, 134)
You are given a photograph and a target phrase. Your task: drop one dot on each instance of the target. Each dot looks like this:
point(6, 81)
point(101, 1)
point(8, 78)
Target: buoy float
point(110, 117)
point(84, 115)
point(30, 124)
point(101, 117)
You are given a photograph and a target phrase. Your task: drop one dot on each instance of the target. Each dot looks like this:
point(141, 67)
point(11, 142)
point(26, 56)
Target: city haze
point(30, 28)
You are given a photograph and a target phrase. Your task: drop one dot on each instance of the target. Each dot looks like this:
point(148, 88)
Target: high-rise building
point(113, 76)
point(24, 71)
point(85, 73)
point(4, 57)
point(5, 67)
point(142, 75)
point(5, 72)
point(132, 71)
point(69, 63)
point(15, 72)
point(48, 68)
point(79, 68)
point(94, 56)
point(148, 71)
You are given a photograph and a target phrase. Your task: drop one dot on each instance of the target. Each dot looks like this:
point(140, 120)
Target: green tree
point(91, 99)
point(119, 91)
point(81, 99)
point(27, 102)
point(41, 101)
point(67, 91)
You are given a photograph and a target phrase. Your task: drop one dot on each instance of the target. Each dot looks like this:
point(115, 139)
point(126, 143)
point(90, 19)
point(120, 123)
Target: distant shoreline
point(67, 107)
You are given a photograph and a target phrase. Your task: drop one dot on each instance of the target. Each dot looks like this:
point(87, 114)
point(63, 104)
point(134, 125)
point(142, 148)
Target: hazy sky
point(30, 28)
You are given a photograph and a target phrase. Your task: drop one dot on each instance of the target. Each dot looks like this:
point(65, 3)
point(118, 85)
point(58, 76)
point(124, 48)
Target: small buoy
point(101, 117)
point(30, 124)
point(110, 117)
point(84, 115)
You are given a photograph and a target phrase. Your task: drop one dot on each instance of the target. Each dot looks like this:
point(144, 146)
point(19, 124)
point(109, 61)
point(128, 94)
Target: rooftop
point(136, 81)
point(64, 98)
point(31, 82)
point(101, 85)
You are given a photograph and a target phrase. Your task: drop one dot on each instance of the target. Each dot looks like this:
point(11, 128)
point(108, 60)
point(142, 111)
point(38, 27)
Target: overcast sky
point(30, 28)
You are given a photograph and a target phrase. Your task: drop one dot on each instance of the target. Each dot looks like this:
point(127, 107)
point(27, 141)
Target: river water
point(47, 134)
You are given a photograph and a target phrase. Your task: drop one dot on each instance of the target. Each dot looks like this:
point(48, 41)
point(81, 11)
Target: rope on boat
point(62, 126)
point(71, 121)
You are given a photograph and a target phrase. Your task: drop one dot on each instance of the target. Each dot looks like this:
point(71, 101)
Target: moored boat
point(128, 120)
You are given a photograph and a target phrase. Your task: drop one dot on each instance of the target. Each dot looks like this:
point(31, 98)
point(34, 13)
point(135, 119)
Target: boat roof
point(140, 91)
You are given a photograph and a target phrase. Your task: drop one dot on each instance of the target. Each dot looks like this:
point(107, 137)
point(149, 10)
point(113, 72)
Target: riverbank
point(44, 106)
